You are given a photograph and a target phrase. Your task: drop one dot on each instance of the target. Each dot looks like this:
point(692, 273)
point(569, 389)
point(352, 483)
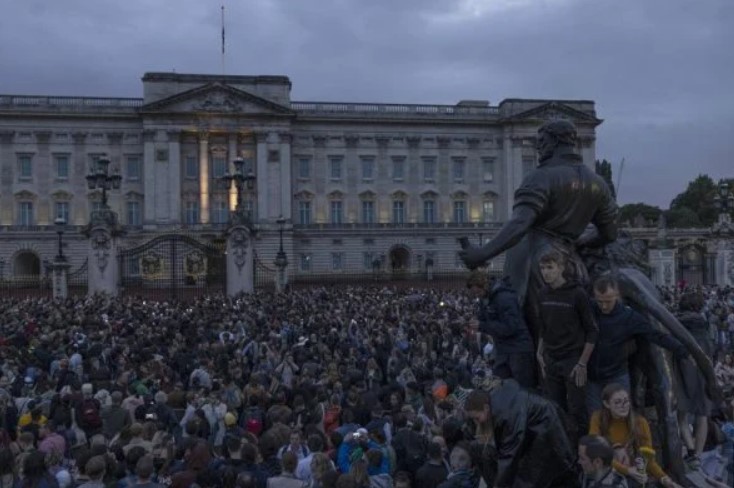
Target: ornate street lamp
point(242, 182)
point(724, 201)
point(99, 178)
point(60, 224)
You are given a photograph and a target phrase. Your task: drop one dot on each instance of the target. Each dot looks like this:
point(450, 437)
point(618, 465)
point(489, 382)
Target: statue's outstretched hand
point(472, 256)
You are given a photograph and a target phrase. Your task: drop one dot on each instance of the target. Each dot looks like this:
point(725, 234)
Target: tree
point(629, 212)
point(604, 169)
point(682, 217)
point(698, 199)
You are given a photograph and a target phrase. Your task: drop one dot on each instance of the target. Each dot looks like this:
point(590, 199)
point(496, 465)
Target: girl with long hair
point(629, 434)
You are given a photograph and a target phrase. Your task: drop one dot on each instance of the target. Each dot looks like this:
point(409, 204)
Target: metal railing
point(44, 101)
point(444, 278)
point(411, 225)
point(391, 109)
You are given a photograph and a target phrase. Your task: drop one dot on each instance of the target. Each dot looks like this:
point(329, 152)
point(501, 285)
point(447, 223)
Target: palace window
point(25, 213)
point(337, 213)
point(191, 168)
point(368, 168)
point(134, 217)
point(134, 168)
point(398, 168)
point(429, 211)
point(459, 166)
point(191, 215)
point(368, 212)
point(337, 261)
point(62, 166)
point(488, 170)
point(460, 211)
point(25, 167)
point(304, 168)
point(398, 212)
point(61, 211)
point(304, 212)
point(335, 168)
point(429, 169)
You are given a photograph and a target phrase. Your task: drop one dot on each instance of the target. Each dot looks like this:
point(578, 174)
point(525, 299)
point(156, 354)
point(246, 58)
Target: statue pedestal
point(662, 262)
point(60, 269)
point(240, 262)
point(104, 269)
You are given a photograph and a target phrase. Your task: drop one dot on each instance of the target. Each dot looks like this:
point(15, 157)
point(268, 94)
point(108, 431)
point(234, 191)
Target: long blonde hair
point(605, 420)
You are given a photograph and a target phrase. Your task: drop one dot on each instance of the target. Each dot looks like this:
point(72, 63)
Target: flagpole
point(223, 65)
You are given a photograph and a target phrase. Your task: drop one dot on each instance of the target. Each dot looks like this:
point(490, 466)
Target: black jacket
point(699, 329)
point(532, 447)
point(622, 324)
point(500, 317)
point(567, 321)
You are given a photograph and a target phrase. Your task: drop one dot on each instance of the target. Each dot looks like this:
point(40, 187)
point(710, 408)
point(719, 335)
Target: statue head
point(554, 136)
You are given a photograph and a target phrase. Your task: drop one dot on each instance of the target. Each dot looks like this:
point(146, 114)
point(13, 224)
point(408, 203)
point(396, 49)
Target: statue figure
point(553, 206)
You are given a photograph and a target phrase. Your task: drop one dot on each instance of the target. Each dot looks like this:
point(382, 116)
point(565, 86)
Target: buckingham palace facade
point(357, 183)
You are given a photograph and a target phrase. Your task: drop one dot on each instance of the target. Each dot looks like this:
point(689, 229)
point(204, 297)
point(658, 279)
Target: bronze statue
point(553, 206)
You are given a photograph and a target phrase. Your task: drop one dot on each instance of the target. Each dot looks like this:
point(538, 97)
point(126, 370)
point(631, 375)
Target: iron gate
point(173, 266)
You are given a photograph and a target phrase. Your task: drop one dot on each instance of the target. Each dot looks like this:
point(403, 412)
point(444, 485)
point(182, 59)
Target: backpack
point(90, 414)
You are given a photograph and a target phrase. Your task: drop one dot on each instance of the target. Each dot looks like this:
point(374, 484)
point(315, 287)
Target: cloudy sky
point(660, 71)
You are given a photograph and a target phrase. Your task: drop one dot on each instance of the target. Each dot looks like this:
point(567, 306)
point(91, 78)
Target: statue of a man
point(553, 206)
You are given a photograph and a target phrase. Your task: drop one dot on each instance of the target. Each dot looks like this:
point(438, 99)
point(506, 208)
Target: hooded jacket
point(609, 359)
point(500, 317)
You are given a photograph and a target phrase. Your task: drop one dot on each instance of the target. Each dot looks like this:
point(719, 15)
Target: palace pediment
point(554, 111)
point(217, 98)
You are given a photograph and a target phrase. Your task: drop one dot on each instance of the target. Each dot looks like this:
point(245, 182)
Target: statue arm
point(523, 218)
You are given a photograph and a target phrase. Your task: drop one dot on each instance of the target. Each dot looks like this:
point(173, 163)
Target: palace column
point(204, 177)
point(174, 175)
point(262, 177)
point(150, 216)
point(285, 175)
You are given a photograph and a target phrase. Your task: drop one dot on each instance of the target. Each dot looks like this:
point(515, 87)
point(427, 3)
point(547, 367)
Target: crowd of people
point(349, 387)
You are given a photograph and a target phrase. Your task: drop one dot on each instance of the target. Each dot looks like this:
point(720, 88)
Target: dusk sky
point(661, 71)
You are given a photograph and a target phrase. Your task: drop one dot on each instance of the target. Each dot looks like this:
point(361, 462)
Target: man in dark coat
point(500, 317)
point(524, 435)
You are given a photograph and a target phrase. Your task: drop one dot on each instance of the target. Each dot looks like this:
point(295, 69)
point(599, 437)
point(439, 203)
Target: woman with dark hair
point(693, 404)
point(629, 434)
point(35, 473)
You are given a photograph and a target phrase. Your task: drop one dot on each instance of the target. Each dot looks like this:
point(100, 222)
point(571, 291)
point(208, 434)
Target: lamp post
point(281, 260)
point(99, 178)
point(60, 224)
point(60, 267)
point(724, 230)
point(242, 182)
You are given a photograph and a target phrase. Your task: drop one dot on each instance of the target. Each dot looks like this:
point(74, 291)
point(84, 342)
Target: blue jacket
point(622, 324)
point(500, 316)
